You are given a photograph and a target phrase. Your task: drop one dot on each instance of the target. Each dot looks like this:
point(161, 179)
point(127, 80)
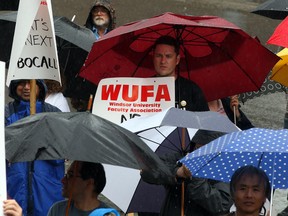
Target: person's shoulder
point(50, 108)
point(58, 208)
point(60, 203)
point(186, 81)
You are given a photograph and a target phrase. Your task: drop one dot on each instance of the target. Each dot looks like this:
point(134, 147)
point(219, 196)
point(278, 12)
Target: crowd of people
point(42, 187)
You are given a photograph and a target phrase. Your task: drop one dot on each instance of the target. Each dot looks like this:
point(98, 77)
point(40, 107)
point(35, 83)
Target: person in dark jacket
point(166, 58)
point(34, 185)
point(202, 197)
point(101, 20)
point(226, 106)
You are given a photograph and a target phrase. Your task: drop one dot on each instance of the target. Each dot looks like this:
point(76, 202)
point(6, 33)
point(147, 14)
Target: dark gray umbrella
point(275, 9)
point(268, 87)
point(9, 5)
point(77, 136)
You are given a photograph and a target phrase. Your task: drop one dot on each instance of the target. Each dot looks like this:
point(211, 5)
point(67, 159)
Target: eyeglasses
point(71, 175)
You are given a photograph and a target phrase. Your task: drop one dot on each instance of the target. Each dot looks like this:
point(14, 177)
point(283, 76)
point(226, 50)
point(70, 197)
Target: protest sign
point(34, 50)
point(3, 190)
point(120, 99)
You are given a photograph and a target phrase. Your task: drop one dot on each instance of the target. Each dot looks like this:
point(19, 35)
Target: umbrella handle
point(234, 113)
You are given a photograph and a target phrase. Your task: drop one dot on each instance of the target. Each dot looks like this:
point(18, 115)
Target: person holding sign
point(11, 208)
point(166, 58)
point(34, 185)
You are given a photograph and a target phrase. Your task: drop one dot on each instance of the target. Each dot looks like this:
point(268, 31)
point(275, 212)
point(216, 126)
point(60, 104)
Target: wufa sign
point(120, 99)
point(34, 51)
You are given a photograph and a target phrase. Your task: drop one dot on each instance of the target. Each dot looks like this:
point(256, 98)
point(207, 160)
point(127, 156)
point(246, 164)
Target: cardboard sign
point(34, 50)
point(120, 99)
point(3, 189)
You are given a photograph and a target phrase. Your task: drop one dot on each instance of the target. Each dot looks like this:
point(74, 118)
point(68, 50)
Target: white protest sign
point(34, 51)
point(120, 99)
point(3, 189)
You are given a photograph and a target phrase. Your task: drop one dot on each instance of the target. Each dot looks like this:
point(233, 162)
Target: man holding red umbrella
point(166, 58)
point(198, 192)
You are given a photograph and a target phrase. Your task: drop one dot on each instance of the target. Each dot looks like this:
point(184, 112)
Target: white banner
point(120, 99)
point(34, 50)
point(3, 189)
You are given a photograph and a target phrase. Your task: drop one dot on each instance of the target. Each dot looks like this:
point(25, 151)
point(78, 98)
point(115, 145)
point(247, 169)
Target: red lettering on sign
point(132, 93)
point(163, 93)
point(111, 92)
point(147, 91)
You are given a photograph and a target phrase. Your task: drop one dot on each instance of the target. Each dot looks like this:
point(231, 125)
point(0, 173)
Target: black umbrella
point(268, 87)
point(76, 136)
point(9, 5)
point(275, 9)
point(73, 44)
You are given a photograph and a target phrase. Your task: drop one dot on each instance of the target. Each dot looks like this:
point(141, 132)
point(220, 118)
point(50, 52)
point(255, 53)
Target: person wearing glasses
point(82, 184)
point(101, 20)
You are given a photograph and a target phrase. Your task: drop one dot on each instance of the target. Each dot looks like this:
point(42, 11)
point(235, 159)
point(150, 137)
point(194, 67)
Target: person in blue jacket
point(34, 185)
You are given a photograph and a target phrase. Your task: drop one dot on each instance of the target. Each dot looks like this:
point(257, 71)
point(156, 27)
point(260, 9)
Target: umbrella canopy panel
point(76, 136)
point(275, 9)
point(263, 148)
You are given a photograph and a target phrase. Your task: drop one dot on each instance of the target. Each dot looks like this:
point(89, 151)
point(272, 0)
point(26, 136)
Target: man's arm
point(212, 195)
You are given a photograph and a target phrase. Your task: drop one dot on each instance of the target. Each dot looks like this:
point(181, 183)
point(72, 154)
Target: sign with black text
point(34, 50)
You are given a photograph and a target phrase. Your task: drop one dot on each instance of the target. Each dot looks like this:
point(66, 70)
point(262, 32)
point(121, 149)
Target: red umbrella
point(216, 54)
point(280, 35)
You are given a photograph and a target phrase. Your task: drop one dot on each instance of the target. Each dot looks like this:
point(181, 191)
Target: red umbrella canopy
point(280, 35)
point(216, 54)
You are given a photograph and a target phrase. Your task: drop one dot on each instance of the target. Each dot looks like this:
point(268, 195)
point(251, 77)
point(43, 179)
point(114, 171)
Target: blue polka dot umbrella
point(263, 148)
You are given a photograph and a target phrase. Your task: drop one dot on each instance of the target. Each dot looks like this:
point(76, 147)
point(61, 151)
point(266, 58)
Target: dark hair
point(203, 137)
point(95, 171)
point(168, 40)
point(250, 170)
point(41, 84)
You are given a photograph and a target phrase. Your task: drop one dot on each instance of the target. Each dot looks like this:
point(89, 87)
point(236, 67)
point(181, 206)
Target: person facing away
point(101, 20)
point(226, 106)
point(166, 59)
point(55, 97)
point(82, 184)
point(202, 197)
point(34, 185)
point(249, 188)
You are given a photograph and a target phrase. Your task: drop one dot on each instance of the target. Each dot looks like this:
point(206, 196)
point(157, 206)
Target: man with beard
point(100, 21)
point(101, 18)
